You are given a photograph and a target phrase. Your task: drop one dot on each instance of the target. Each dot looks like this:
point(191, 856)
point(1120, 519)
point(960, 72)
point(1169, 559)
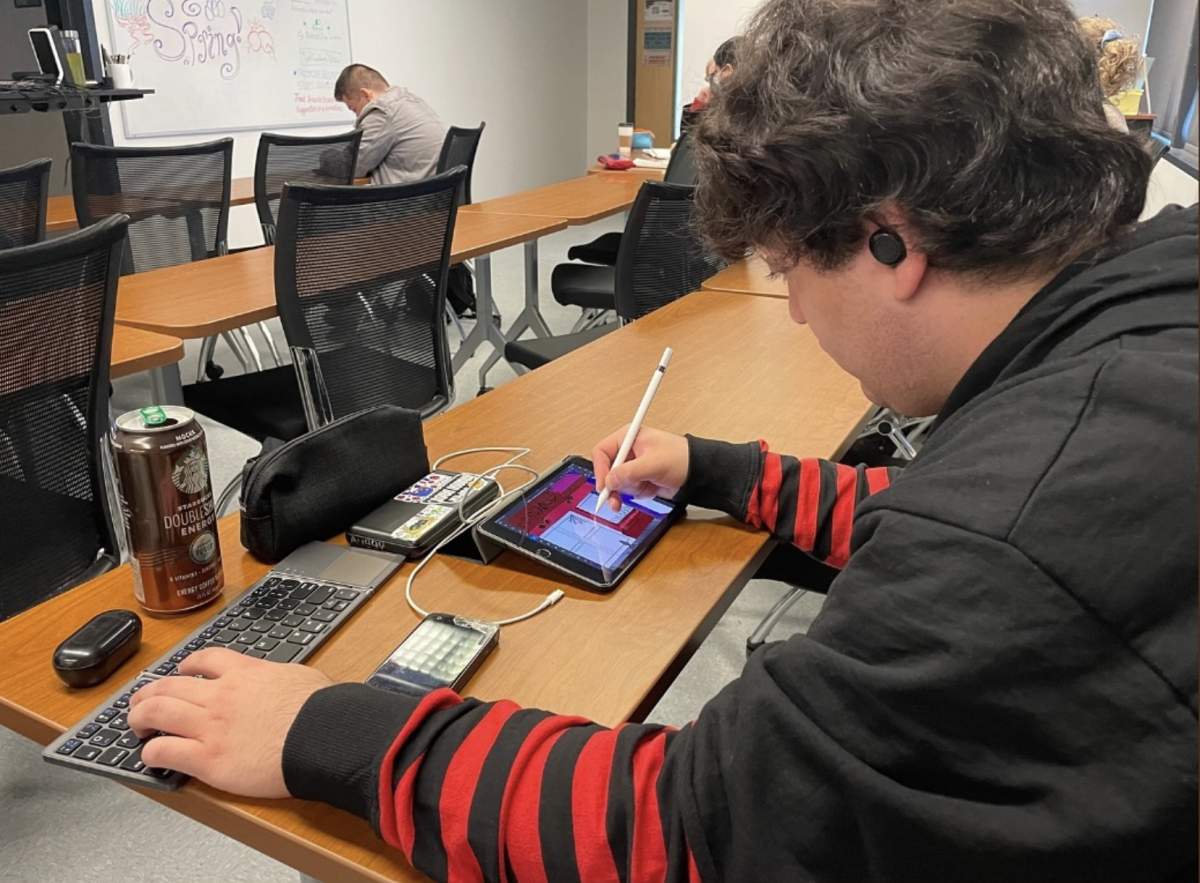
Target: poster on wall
point(656, 48)
point(660, 10)
point(223, 65)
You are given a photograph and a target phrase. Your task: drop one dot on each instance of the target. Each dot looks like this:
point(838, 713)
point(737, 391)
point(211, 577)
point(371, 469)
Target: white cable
point(486, 512)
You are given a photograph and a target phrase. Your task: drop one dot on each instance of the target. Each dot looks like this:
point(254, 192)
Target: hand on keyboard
point(227, 727)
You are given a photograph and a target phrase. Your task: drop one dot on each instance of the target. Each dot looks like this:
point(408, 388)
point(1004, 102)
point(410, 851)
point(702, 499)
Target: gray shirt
point(402, 138)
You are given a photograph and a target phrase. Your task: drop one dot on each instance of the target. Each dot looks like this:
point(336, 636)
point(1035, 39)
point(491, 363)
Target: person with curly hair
point(1002, 682)
point(1119, 60)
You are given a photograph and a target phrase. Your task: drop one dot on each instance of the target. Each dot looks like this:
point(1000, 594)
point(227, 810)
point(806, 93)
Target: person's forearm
point(809, 503)
point(465, 788)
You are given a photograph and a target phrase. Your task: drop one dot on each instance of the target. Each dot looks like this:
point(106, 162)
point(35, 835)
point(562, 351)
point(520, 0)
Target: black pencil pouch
point(317, 485)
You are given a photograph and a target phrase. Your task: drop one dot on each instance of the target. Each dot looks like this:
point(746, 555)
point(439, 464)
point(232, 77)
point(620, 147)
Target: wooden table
point(747, 277)
point(134, 350)
point(636, 171)
point(607, 657)
point(209, 297)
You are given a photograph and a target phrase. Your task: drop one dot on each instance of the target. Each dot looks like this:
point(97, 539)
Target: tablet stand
point(472, 546)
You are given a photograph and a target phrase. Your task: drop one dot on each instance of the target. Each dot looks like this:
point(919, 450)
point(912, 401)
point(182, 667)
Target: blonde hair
point(1119, 58)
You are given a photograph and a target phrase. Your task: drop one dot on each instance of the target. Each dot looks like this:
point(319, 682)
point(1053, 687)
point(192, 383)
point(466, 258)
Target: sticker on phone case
point(424, 489)
point(417, 526)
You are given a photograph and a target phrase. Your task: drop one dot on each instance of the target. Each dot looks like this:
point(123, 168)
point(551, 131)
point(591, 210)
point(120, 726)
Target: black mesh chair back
point(360, 276)
point(329, 159)
point(23, 193)
point(177, 198)
point(57, 301)
point(661, 258)
point(459, 149)
point(681, 168)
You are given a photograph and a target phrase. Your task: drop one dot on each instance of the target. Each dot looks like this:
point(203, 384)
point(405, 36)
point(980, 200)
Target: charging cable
point(483, 514)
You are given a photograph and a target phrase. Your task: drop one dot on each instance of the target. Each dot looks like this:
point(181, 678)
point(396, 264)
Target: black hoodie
point(1002, 684)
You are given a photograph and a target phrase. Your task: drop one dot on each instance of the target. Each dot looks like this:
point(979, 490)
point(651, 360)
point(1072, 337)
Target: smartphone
point(45, 48)
point(442, 651)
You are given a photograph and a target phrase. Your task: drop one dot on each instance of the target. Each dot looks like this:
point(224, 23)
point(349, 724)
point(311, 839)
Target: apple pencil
point(623, 451)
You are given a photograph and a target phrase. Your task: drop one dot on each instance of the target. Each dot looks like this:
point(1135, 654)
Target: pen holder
point(472, 546)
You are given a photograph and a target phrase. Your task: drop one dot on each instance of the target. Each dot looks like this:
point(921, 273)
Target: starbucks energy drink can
point(167, 500)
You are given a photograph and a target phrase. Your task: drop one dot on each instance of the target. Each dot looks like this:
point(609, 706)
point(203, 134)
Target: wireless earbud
point(887, 247)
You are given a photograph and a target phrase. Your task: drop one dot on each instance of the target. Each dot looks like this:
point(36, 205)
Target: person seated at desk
point(402, 136)
point(718, 68)
point(1119, 60)
point(1002, 682)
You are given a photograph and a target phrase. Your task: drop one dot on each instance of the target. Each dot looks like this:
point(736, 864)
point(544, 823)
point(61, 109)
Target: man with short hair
point(402, 136)
point(1002, 683)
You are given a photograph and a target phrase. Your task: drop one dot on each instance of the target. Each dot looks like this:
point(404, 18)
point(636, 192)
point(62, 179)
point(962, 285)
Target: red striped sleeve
point(395, 807)
point(458, 789)
point(648, 856)
point(519, 815)
point(808, 504)
point(878, 478)
point(843, 516)
point(589, 804)
point(753, 508)
point(769, 489)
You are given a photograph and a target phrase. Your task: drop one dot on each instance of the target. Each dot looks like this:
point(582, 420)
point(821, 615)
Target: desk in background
point(747, 277)
point(608, 657)
point(205, 298)
point(134, 350)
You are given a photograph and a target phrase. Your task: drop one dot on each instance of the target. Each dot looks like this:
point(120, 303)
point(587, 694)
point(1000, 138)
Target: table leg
point(485, 329)
point(530, 318)
point(165, 385)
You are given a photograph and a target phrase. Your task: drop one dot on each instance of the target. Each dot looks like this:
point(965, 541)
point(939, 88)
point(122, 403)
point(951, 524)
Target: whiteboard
point(222, 65)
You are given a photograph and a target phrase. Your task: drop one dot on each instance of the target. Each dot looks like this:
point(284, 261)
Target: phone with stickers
point(425, 513)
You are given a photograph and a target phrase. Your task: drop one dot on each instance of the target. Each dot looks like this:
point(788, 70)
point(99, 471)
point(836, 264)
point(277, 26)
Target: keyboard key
point(301, 638)
point(260, 591)
point(223, 622)
point(226, 636)
point(157, 772)
point(266, 645)
point(247, 638)
point(262, 626)
point(306, 609)
point(106, 715)
point(119, 723)
point(332, 604)
point(290, 584)
point(303, 591)
point(321, 595)
point(129, 740)
point(180, 656)
point(122, 701)
point(133, 763)
point(287, 604)
point(88, 752)
point(71, 744)
point(208, 633)
point(324, 616)
point(285, 652)
point(235, 610)
point(279, 633)
point(167, 668)
point(256, 654)
point(291, 621)
point(113, 756)
point(88, 730)
point(271, 581)
point(313, 626)
point(275, 615)
point(196, 644)
point(277, 593)
point(346, 594)
point(240, 625)
point(264, 603)
point(253, 613)
point(105, 738)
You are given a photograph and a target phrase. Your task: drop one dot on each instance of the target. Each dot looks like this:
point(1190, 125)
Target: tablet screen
point(560, 513)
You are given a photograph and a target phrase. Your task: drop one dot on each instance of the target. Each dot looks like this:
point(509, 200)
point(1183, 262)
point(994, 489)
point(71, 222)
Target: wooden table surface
point(208, 297)
point(579, 201)
point(747, 277)
point(636, 171)
point(60, 210)
point(608, 657)
point(135, 349)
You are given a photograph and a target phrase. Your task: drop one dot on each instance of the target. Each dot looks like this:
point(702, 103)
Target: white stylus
point(623, 452)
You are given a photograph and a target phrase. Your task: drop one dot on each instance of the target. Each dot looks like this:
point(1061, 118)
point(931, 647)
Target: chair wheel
point(213, 371)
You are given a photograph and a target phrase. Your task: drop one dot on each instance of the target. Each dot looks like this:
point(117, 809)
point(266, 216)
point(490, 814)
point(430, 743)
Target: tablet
point(555, 522)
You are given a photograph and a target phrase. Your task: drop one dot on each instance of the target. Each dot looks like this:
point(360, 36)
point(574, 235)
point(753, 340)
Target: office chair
point(659, 261)
point(459, 149)
point(57, 301)
point(23, 193)
point(373, 315)
point(602, 250)
point(177, 200)
point(292, 159)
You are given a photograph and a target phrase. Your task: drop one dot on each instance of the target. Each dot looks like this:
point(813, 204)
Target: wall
point(512, 63)
point(607, 73)
point(705, 25)
point(1169, 184)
